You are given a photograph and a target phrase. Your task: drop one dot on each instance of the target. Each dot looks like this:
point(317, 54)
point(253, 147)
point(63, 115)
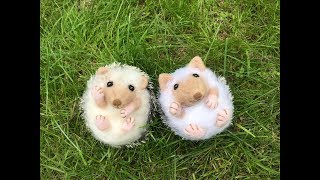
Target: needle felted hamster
point(116, 104)
point(196, 103)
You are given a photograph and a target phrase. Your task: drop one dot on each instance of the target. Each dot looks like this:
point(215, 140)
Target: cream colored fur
point(198, 113)
point(122, 75)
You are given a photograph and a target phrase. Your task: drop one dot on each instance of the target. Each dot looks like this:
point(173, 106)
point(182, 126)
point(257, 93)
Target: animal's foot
point(98, 95)
point(176, 109)
point(125, 112)
point(102, 122)
point(128, 124)
point(212, 101)
point(223, 118)
point(195, 131)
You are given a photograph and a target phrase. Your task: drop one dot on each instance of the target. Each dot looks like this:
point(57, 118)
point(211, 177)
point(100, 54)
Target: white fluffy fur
point(199, 113)
point(115, 136)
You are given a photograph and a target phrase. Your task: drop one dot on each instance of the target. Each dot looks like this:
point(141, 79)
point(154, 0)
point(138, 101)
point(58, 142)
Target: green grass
point(237, 39)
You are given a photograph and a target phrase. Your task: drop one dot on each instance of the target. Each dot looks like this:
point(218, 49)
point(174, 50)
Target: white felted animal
point(196, 103)
point(116, 104)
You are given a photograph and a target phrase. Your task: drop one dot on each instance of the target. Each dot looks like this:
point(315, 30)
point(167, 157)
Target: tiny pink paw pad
point(128, 124)
point(123, 113)
point(97, 93)
point(175, 109)
point(223, 118)
point(212, 101)
point(195, 131)
point(102, 122)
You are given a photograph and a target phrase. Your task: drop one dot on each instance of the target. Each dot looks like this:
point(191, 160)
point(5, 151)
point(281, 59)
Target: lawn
point(237, 39)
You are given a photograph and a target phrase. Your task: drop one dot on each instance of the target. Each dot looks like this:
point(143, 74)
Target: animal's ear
point(163, 79)
point(197, 62)
point(144, 82)
point(102, 70)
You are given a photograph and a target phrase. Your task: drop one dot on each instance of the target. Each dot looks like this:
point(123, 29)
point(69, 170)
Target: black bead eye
point(131, 88)
point(195, 75)
point(109, 84)
point(175, 86)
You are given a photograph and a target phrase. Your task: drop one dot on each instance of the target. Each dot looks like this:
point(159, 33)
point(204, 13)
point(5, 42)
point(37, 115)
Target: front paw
point(223, 118)
point(98, 94)
point(176, 109)
point(124, 113)
point(212, 101)
point(102, 122)
point(128, 124)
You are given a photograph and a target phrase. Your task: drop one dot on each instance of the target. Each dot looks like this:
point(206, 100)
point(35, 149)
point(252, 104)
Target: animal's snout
point(197, 96)
point(116, 102)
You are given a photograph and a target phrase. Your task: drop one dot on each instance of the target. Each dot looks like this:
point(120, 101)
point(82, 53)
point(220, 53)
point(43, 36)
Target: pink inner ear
point(144, 82)
point(197, 62)
point(164, 80)
point(102, 70)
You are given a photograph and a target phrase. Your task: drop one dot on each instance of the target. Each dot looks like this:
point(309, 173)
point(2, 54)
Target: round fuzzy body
point(123, 75)
point(198, 113)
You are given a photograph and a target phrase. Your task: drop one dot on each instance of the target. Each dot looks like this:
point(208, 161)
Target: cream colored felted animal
point(196, 103)
point(116, 104)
